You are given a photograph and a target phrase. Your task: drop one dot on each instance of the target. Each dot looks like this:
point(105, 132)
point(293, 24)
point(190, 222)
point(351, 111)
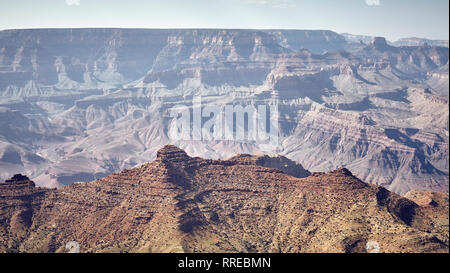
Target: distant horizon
point(206, 28)
point(392, 19)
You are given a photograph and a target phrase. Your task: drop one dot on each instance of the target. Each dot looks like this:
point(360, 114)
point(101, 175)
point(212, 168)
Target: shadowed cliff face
point(78, 104)
point(178, 203)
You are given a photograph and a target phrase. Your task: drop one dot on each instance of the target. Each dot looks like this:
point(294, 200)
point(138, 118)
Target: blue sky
point(392, 19)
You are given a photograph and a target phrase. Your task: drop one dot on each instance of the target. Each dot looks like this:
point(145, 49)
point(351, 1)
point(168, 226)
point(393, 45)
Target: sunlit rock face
point(79, 104)
point(247, 204)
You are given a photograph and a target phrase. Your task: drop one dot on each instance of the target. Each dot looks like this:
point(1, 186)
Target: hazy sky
point(392, 19)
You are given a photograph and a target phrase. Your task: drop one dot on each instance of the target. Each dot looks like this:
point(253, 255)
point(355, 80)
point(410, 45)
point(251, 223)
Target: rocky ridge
point(179, 203)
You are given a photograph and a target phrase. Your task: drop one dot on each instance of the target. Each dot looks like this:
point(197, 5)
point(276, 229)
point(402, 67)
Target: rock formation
point(179, 203)
point(79, 104)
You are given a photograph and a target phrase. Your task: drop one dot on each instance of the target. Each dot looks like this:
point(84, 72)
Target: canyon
point(79, 104)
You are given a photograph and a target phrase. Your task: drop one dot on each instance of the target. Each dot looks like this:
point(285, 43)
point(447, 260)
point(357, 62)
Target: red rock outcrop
point(182, 204)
